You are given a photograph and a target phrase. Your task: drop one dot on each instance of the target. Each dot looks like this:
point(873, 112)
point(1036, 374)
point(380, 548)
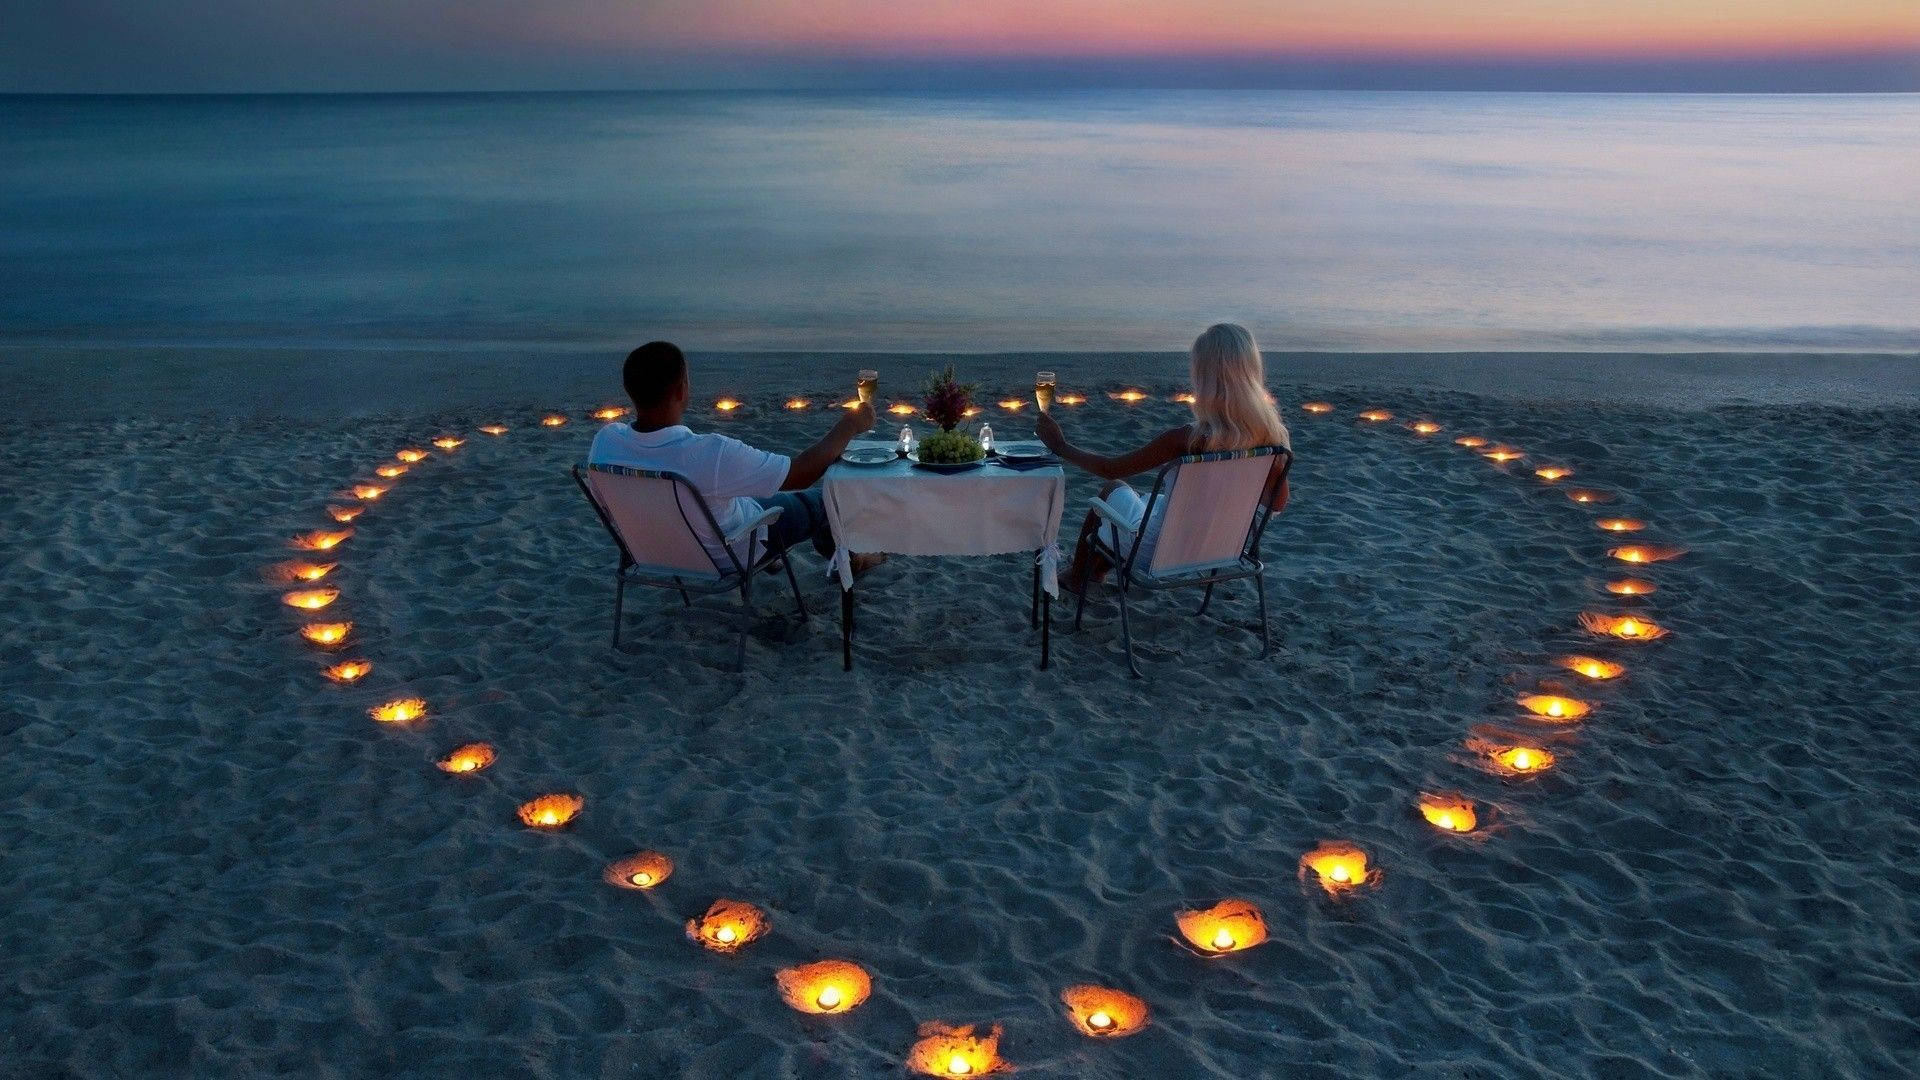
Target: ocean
point(1030, 221)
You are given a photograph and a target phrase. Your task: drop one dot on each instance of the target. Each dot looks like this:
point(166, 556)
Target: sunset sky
point(95, 45)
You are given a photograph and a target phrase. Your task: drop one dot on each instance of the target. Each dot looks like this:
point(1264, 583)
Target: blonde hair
point(1231, 408)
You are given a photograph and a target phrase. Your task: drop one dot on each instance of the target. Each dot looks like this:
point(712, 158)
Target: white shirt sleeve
point(741, 471)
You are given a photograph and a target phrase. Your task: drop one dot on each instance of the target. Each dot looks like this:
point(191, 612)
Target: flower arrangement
point(947, 400)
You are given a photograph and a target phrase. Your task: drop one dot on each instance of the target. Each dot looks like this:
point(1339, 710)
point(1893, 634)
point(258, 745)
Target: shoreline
point(92, 382)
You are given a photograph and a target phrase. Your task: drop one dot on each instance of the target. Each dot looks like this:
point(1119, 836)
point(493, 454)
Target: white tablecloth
point(901, 510)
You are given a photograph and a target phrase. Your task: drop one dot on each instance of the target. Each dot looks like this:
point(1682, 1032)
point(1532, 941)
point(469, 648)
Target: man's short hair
point(652, 371)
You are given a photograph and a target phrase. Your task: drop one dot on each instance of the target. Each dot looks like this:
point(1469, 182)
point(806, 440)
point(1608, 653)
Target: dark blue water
point(1035, 221)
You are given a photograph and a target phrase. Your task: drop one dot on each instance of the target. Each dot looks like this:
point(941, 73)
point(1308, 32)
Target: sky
point(94, 46)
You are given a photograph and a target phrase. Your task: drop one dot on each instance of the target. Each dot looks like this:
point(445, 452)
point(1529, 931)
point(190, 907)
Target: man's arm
point(810, 465)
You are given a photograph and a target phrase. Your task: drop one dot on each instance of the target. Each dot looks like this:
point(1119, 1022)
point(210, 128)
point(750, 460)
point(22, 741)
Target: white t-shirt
point(728, 472)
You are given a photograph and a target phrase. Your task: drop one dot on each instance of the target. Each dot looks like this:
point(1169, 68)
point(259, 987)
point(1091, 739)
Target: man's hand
point(857, 419)
point(811, 464)
point(1049, 431)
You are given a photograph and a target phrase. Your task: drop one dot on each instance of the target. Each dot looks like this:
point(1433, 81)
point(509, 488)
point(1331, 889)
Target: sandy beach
point(219, 865)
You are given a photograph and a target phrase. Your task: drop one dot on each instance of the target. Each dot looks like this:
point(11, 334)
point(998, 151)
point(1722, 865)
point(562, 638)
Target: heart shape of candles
point(1452, 813)
point(1102, 1012)
point(551, 811)
point(401, 711)
point(470, 758)
point(1555, 708)
point(956, 1050)
point(642, 870)
point(824, 986)
point(1337, 867)
point(1228, 926)
point(728, 925)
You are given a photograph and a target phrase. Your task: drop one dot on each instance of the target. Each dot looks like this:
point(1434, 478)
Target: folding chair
point(657, 520)
point(1213, 510)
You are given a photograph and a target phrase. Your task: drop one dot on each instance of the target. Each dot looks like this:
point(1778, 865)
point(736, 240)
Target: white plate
point(869, 455)
point(1018, 451)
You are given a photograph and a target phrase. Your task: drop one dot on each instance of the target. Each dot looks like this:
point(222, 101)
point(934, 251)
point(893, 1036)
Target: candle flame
point(1555, 707)
point(550, 811)
point(824, 986)
point(1620, 524)
point(610, 412)
point(1129, 395)
point(901, 408)
point(1012, 404)
point(348, 671)
point(1316, 406)
point(1521, 759)
point(403, 711)
point(1338, 866)
point(311, 599)
point(411, 455)
point(1589, 496)
point(1070, 399)
point(321, 540)
point(1453, 813)
point(726, 404)
point(1228, 926)
point(388, 472)
point(299, 571)
point(1424, 427)
point(1104, 1012)
point(728, 925)
point(469, 758)
point(326, 634)
point(643, 870)
point(1631, 587)
point(971, 411)
point(1625, 627)
point(1553, 472)
point(1376, 416)
point(1646, 553)
point(368, 492)
point(1470, 440)
point(344, 514)
point(950, 1050)
point(796, 404)
point(1185, 397)
point(1502, 453)
point(552, 420)
point(493, 429)
point(448, 442)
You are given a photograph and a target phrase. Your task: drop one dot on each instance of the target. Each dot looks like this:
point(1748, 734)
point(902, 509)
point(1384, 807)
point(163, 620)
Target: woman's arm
point(1163, 449)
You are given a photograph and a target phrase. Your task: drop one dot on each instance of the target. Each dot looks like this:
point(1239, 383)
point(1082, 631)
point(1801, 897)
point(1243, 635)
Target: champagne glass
point(1043, 383)
point(866, 385)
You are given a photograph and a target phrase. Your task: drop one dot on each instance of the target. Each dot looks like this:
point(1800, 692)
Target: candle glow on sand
point(1130, 395)
point(470, 758)
point(306, 571)
point(1555, 708)
point(550, 811)
point(1337, 867)
point(1228, 926)
point(326, 634)
point(411, 455)
point(610, 412)
point(344, 514)
point(797, 404)
point(1520, 759)
point(642, 870)
point(1588, 496)
point(1070, 399)
point(901, 408)
point(368, 492)
point(824, 986)
point(310, 599)
point(1103, 1012)
point(728, 925)
point(1316, 406)
point(956, 1050)
point(726, 404)
point(1012, 404)
point(1453, 813)
point(1501, 453)
point(1624, 627)
point(1619, 525)
point(1185, 397)
point(448, 442)
point(493, 429)
point(348, 671)
point(1471, 441)
point(1645, 553)
point(1631, 587)
point(552, 420)
point(1592, 667)
point(1550, 473)
point(321, 540)
point(1424, 427)
point(1376, 416)
point(402, 711)
point(389, 472)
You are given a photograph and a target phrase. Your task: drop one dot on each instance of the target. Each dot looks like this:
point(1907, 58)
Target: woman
point(1231, 411)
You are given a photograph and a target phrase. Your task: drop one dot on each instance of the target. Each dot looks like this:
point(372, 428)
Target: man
point(737, 480)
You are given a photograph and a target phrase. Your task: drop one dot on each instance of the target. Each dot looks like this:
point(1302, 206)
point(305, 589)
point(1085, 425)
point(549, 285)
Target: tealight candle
point(1424, 427)
point(728, 925)
point(639, 871)
point(1631, 587)
point(344, 514)
point(1624, 627)
point(1070, 399)
point(368, 492)
point(403, 711)
point(824, 986)
point(1501, 454)
point(1453, 813)
point(1013, 404)
point(348, 671)
point(726, 404)
point(1555, 707)
point(1185, 398)
point(1129, 395)
point(797, 404)
point(310, 571)
point(1338, 866)
point(1228, 926)
point(1522, 759)
point(1470, 441)
point(1103, 1012)
point(321, 540)
point(955, 1050)
point(1588, 496)
point(550, 811)
point(611, 412)
point(1551, 473)
point(411, 455)
point(1376, 416)
point(1316, 406)
point(1620, 524)
point(494, 429)
point(448, 442)
point(311, 599)
point(388, 472)
point(1645, 553)
point(470, 758)
point(552, 420)
point(901, 408)
point(326, 635)
point(1592, 667)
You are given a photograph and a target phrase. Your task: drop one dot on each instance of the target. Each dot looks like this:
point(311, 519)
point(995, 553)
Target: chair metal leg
point(798, 600)
point(846, 629)
point(1126, 635)
point(619, 600)
point(1033, 612)
point(746, 622)
point(1204, 601)
point(1080, 606)
point(685, 600)
point(1266, 639)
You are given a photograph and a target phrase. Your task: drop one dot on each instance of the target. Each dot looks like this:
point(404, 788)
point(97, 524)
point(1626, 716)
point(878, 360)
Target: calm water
point(1042, 221)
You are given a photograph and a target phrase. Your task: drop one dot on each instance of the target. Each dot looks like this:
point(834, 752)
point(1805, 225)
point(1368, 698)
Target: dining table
point(1004, 505)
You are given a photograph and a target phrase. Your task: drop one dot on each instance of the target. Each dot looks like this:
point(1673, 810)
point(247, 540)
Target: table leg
point(846, 629)
point(1033, 612)
point(1046, 629)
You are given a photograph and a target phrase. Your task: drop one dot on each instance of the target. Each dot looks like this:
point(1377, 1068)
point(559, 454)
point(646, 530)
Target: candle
point(1338, 866)
point(824, 986)
point(797, 404)
point(1071, 399)
point(411, 455)
point(956, 1050)
point(1424, 427)
point(1470, 441)
point(320, 540)
point(1103, 1012)
point(610, 412)
point(901, 408)
point(1646, 553)
point(402, 711)
point(494, 429)
point(726, 404)
point(1592, 667)
point(1589, 496)
point(1013, 404)
point(1376, 416)
point(470, 758)
point(1185, 398)
point(728, 925)
point(1452, 813)
point(642, 870)
point(550, 811)
point(344, 514)
point(1624, 627)
point(1554, 707)
point(1620, 524)
point(1550, 473)
point(1129, 395)
point(1228, 926)
point(1501, 453)
point(348, 671)
point(388, 472)
point(1317, 406)
point(552, 420)
point(368, 492)
point(1631, 587)
point(1522, 759)
point(311, 599)
point(448, 442)
point(326, 635)
point(300, 571)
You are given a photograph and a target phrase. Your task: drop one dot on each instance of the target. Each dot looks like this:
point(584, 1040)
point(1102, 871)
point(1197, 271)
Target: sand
point(217, 864)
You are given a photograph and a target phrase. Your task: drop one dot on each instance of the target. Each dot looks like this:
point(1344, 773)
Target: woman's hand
point(1049, 431)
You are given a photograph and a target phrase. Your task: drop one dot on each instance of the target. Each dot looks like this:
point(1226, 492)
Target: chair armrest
point(1113, 517)
point(766, 517)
